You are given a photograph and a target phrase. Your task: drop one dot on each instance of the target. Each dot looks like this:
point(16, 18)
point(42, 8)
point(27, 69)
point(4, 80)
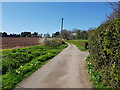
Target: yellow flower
point(17, 71)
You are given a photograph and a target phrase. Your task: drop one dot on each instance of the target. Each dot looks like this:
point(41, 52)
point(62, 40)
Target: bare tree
point(47, 35)
point(65, 34)
point(116, 10)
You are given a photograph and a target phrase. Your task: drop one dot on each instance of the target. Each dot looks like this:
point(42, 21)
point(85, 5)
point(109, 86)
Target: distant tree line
point(65, 34)
point(23, 34)
point(70, 35)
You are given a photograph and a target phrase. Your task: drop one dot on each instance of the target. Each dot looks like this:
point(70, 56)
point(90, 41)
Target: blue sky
point(45, 17)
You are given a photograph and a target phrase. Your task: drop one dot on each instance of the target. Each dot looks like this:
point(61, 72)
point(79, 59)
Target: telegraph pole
point(62, 24)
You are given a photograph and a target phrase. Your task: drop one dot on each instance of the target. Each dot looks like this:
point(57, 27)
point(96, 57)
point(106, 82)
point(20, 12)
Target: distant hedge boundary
point(104, 46)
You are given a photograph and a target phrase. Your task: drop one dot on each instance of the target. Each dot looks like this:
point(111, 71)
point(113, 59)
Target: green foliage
point(79, 43)
point(53, 42)
point(20, 63)
point(84, 35)
point(94, 74)
point(12, 59)
point(104, 45)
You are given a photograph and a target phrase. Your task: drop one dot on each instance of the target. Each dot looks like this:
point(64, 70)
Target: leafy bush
point(104, 45)
point(53, 42)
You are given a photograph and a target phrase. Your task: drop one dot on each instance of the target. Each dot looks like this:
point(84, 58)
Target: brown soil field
point(17, 42)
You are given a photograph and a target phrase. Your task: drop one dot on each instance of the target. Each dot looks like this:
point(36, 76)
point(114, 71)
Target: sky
point(59, 0)
point(45, 17)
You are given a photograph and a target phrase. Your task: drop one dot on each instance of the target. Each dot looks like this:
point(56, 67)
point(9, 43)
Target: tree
point(78, 35)
point(56, 34)
point(65, 34)
point(35, 34)
point(0, 34)
point(40, 35)
point(47, 35)
point(25, 34)
point(84, 35)
point(4, 34)
point(116, 10)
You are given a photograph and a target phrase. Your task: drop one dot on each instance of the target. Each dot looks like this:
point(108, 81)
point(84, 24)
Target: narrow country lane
point(66, 70)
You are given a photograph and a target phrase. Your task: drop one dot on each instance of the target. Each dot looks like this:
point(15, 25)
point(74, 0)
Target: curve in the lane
point(66, 70)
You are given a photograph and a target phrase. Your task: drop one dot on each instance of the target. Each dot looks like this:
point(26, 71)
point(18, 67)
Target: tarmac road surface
point(66, 70)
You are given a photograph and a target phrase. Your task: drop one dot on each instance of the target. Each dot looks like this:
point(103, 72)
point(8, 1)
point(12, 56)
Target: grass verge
point(18, 64)
point(79, 43)
point(94, 74)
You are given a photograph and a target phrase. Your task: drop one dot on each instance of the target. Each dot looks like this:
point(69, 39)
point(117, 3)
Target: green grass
point(79, 43)
point(18, 64)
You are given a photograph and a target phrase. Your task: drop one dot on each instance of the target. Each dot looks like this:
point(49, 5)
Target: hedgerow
point(23, 62)
point(104, 46)
point(54, 42)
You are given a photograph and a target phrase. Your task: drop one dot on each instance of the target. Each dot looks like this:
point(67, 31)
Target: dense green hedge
point(104, 47)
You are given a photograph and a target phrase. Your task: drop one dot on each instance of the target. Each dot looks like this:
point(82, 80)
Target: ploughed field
point(13, 42)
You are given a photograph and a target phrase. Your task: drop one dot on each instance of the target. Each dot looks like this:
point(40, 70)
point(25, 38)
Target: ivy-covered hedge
point(104, 48)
